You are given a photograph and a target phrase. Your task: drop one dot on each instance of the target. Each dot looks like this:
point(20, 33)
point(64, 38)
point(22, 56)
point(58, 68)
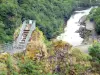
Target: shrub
point(94, 51)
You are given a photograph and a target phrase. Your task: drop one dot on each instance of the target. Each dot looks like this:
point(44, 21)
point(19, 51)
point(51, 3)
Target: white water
point(73, 25)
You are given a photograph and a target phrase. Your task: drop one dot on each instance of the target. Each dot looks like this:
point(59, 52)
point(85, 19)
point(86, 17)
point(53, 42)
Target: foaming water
point(73, 25)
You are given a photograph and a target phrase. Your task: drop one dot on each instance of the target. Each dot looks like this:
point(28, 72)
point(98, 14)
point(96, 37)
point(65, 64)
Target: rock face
point(82, 20)
point(90, 25)
point(36, 47)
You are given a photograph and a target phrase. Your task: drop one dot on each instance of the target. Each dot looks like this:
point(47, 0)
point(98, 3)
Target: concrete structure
point(19, 45)
point(24, 36)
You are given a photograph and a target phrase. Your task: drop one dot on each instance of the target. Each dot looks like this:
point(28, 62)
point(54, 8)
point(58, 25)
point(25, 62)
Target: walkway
point(22, 40)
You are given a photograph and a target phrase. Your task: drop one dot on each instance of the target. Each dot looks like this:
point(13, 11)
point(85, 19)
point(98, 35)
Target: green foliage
point(94, 51)
point(2, 32)
point(3, 73)
point(82, 61)
point(29, 67)
point(8, 18)
point(49, 14)
point(95, 16)
point(80, 56)
point(10, 66)
point(87, 3)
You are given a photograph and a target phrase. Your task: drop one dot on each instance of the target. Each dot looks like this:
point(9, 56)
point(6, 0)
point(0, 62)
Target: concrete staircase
point(21, 42)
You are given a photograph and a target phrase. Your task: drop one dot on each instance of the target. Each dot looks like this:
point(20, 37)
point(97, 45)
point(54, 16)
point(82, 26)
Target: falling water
point(72, 26)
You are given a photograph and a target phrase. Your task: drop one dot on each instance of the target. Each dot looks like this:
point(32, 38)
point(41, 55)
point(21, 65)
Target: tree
point(30, 67)
point(95, 16)
point(9, 17)
point(2, 32)
point(94, 51)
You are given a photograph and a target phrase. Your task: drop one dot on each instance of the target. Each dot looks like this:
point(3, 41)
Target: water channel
point(70, 35)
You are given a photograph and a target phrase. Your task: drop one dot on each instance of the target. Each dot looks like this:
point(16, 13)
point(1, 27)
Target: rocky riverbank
point(87, 30)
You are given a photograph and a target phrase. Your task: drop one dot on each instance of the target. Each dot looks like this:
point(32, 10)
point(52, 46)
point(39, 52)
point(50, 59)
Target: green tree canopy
point(94, 51)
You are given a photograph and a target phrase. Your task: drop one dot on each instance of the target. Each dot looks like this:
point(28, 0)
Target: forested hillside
point(95, 16)
point(9, 15)
point(49, 14)
point(43, 56)
point(87, 3)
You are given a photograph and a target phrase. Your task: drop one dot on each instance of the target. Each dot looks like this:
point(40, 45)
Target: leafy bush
point(94, 51)
point(49, 14)
point(29, 67)
point(9, 19)
point(95, 16)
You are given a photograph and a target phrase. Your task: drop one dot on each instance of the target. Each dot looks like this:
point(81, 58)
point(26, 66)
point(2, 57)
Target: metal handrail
point(21, 32)
point(17, 42)
point(12, 47)
point(30, 32)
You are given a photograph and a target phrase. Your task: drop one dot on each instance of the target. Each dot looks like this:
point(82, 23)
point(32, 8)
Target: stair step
point(24, 38)
point(25, 33)
point(26, 30)
point(20, 48)
point(21, 45)
point(22, 42)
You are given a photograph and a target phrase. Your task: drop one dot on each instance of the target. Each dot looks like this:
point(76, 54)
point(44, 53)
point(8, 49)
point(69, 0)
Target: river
point(72, 26)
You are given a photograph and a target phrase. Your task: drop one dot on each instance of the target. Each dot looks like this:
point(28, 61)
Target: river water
point(72, 26)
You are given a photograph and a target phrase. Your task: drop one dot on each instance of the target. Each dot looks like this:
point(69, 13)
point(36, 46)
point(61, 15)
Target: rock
point(82, 20)
point(89, 25)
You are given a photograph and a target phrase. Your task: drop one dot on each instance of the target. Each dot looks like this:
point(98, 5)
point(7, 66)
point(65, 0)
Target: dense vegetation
point(95, 16)
point(52, 58)
point(59, 62)
point(8, 19)
point(49, 14)
point(94, 51)
point(87, 3)
point(62, 59)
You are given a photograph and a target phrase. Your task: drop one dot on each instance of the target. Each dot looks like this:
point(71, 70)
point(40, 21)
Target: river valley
point(70, 35)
